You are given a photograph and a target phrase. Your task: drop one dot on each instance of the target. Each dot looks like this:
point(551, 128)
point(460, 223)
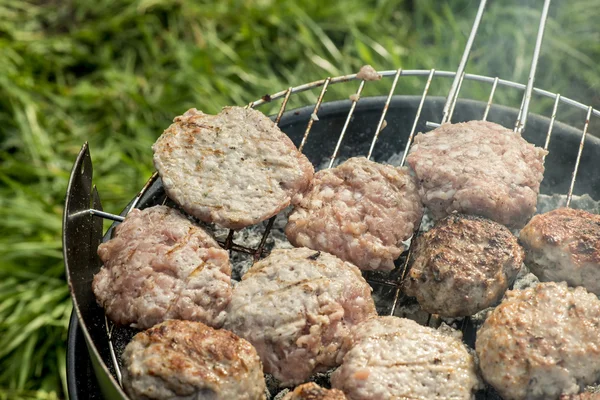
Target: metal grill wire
point(458, 77)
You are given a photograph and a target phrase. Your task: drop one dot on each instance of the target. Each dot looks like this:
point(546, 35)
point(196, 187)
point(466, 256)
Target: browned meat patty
point(463, 265)
point(234, 169)
point(296, 306)
point(312, 391)
point(185, 360)
point(541, 342)
point(564, 245)
point(361, 211)
point(478, 168)
point(396, 358)
point(160, 266)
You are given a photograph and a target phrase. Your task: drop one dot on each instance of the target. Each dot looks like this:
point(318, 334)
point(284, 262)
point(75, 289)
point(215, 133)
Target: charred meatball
point(564, 245)
point(234, 169)
point(478, 168)
point(361, 211)
point(312, 391)
point(463, 265)
point(541, 342)
point(396, 358)
point(161, 266)
point(189, 360)
point(295, 307)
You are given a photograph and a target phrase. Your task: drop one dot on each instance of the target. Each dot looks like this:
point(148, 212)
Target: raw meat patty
point(478, 168)
point(564, 245)
point(396, 358)
point(234, 169)
point(312, 391)
point(296, 306)
point(189, 360)
point(160, 266)
point(361, 211)
point(463, 265)
point(541, 342)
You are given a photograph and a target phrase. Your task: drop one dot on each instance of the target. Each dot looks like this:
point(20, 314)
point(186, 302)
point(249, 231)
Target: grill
point(310, 127)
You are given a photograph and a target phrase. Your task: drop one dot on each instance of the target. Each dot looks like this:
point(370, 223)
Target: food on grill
point(312, 391)
point(234, 169)
point(478, 168)
point(361, 211)
point(581, 396)
point(564, 245)
point(160, 266)
point(296, 306)
point(189, 360)
point(396, 358)
point(541, 342)
point(368, 73)
point(463, 265)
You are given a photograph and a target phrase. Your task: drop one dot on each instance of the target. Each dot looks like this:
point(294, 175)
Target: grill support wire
point(458, 77)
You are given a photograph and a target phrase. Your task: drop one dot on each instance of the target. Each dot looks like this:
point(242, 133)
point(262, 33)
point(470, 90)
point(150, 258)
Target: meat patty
point(188, 360)
point(361, 211)
point(312, 391)
point(541, 342)
point(564, 245)
point(296, 306)
point(161, 266)
point(478, 168)
point(463, 265)
point(234, 169)
point(396, 358)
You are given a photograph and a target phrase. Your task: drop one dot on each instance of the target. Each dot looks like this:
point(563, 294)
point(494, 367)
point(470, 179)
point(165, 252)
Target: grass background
point(116, 72)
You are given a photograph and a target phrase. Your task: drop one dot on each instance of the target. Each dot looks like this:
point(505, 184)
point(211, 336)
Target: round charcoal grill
point(326, 132)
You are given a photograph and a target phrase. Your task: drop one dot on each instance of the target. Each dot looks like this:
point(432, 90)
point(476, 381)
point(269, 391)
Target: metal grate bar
point(109, 326)
point(343, 133)
point(447, 114)
point(149, 182)
point(581, 144)
point(384, 112)
point(520, 126)
point(551, 126)
point(489, 103)
point(316, 110)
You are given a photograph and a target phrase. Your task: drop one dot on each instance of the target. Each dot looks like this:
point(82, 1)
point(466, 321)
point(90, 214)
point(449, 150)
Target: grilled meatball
point(478, 168)
point(189, 360)
point(160, 266)
point(396, 358)
point(312, 391)
point(234, 169)
point(564, 245)
point(295, 307)
point(541, 342)
point(361, 211)
point(463, 265)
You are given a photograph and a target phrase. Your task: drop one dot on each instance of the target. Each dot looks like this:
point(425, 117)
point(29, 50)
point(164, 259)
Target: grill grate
point(458, 78)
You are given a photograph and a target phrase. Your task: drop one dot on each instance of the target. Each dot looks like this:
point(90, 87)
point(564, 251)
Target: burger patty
point(564, 245)
point(312, 391)
point(478, 168)
point(361, 211)
point(296, 306)
point(234, 169)
point(396, 358)
point(185, 360)
point(462, 265)
point(541, 342)
point(161, 266)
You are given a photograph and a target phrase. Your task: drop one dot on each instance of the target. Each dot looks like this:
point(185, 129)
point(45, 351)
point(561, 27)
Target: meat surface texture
point(581, 396)
point(564, 245)
point(478, 168)
point(188, 360)
point(396, 358)
point(312, 391)
point(463, 265)
point(361, 211)
point(541, 342)
point(296, 306)
point(234, 169)
point(160, 266)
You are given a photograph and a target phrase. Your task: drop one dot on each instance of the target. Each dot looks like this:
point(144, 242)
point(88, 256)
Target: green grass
point(115, 73)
